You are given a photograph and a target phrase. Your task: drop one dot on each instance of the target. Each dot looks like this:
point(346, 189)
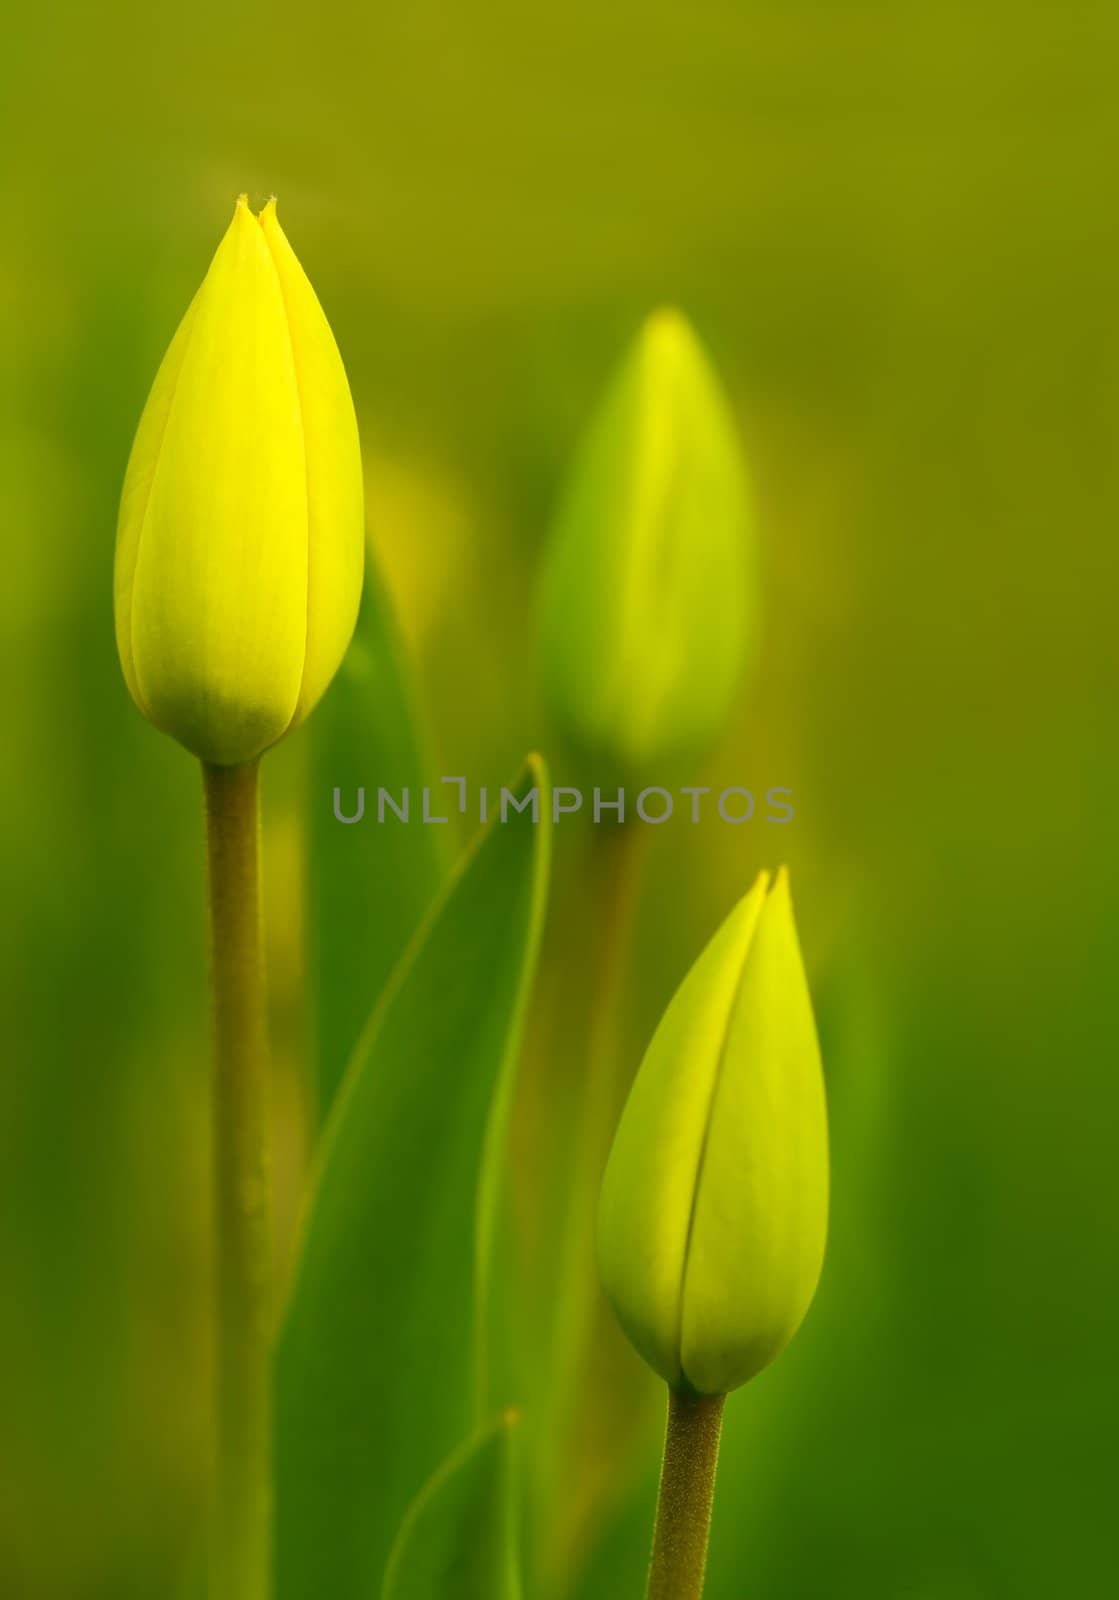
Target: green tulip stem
point(683, 1526)
point(614, 872)
point(240, 1522)
point(613, 875)
point(616, 864)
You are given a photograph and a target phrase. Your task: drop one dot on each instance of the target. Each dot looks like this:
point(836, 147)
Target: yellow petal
point(333, 455)
point(714, 1204)
point(645, 601)
point(219, 588)
point(648, 1190)
point(760, 1216)
point(137, 491)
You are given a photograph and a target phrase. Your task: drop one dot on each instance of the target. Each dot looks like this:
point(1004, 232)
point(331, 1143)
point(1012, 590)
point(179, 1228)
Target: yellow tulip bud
point(713, 1212)
point(240, 544)
point(645, 615)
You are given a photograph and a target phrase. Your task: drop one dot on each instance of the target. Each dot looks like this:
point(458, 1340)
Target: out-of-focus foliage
point(890, 226)
point(646, 613)
point(459, 1535)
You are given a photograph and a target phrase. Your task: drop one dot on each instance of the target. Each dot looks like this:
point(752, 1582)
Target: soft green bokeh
point(646, 599)
point(459, 1535)
point(892, 226)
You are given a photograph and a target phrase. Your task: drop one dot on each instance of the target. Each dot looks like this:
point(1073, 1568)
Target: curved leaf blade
point(376, 1358)
point(459, 1536)
point(369, 883)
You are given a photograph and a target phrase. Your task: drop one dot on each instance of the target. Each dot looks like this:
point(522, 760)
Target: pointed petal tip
point(760, 885)
point(274, 234)
point(669, 335)
point(748, 909)
point(242, 214)
point(779, 902)
point(667, 322)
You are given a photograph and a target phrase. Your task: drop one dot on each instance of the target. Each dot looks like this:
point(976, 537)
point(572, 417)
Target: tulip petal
point(136, 493)
point(219, 592)
point(649, 1189)
point(714, 1205)
point(759, 1224)
point(336, 523)
point(645, 619)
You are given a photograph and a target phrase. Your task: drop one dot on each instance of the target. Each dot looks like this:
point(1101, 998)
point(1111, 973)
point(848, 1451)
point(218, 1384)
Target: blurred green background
point(894, 226)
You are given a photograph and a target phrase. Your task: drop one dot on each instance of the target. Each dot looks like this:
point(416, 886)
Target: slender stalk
point(240, 1530)
point(691, 1455)
point(615, 868)
point(613, 871)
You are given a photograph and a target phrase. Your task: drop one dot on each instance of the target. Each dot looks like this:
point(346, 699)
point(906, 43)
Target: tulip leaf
point(459, 1536)
point(369, 883)
point(378, 1360)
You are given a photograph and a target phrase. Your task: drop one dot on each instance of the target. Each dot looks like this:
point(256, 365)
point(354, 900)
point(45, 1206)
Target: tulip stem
point(683, 1525)
point(613, 870)
point(240, 1531)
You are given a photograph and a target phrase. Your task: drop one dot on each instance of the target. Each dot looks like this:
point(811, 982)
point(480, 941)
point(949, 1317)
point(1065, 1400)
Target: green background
point(894, 226)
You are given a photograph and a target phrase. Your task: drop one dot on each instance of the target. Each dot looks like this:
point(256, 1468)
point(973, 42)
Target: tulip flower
point(646, 604)
point(240, 552)
point(240, 544)
point(713, 1212)
point(714, 1204)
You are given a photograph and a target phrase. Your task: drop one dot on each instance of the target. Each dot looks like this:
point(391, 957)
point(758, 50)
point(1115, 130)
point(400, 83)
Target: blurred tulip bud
point(646, 592)
point(240, 545)
point(713, 1213)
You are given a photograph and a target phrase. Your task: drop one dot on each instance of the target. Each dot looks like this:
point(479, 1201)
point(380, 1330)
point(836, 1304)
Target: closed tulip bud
point(240, 545)
point(645, 616)
point(713, 1212)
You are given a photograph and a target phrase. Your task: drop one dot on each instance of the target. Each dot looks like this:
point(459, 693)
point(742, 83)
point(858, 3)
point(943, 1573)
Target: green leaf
point(369, 883)
point(378, 1355)
point(460, 1534)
